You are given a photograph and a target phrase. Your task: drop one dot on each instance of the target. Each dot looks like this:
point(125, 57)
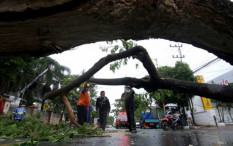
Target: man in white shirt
point(189, 116)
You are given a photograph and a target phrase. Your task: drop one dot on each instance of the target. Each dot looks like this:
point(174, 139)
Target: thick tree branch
point(70, 111)
point(154, 82)
point(96, 67)
point(148, 64)
point(218, 92)
point(213, 91)
point(133, 82)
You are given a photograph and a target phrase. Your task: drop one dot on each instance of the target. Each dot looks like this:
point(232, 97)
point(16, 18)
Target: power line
point(217, 70)
point(205, 65)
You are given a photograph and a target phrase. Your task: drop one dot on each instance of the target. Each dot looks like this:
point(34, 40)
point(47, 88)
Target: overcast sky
point(83, 58)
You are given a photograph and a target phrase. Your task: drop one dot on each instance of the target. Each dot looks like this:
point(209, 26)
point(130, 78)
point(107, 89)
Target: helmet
point(88, 85)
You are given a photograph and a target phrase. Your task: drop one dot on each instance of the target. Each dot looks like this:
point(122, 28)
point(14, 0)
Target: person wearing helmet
point(128, 97)
point(83, 104)
point(18, 113)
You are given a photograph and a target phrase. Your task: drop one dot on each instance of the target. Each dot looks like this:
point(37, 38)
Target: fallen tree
point(151, 83)
point(39, 28)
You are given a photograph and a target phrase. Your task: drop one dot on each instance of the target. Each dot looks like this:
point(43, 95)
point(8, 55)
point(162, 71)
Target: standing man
point(83, 104)
point(128, 97)
point(103, 107)
point(18, 113)
point(189, 116)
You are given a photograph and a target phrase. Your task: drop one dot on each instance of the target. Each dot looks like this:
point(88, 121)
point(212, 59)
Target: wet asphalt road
point(156, 137)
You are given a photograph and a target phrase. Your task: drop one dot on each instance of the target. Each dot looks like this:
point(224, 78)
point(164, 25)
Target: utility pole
point(180, 53)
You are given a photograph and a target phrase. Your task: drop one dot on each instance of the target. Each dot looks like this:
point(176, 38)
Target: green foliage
point(32, 129)
point(142, 103)
point(15, 73)
point(110, 120)
point(119, 106)
point(116, 47)
point(181, 71)
point(74, 94)
point(128, 133)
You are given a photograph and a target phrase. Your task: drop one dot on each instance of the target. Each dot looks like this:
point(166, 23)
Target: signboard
point(206, 101)
point(46, 106)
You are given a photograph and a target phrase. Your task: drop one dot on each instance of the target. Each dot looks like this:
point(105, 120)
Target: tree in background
point(16, 73)
point(52, 77)
point(142, 103)
point(180, 71)
point(119, 106)
point(11, 73)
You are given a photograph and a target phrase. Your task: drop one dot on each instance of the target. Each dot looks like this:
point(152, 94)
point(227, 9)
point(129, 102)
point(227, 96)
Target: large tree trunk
point(37, 28)
point(151, 83)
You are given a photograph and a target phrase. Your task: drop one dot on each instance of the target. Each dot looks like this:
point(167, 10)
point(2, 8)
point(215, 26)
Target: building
point(211, 112)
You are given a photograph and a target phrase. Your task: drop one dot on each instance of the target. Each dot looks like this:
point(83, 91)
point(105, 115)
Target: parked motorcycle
point(171, 121)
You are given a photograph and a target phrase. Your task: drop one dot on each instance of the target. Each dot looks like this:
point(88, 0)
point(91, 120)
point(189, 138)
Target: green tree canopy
point(16, 73)
point(181, 71)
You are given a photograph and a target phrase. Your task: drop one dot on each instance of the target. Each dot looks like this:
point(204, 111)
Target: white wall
point(205, 118)
point(197, 103)
point(227, 118)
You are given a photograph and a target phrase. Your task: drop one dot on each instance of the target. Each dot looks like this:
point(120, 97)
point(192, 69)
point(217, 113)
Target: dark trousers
point(103, 117)
point(130, 116)
point(82, 114)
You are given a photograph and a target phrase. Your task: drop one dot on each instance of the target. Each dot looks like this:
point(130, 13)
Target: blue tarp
point(148, 115)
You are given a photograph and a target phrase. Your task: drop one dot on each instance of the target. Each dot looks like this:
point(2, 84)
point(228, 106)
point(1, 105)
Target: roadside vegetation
point(31, 130)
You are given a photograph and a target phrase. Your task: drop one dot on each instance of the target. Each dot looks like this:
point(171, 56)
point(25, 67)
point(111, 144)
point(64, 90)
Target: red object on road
point(121, 120)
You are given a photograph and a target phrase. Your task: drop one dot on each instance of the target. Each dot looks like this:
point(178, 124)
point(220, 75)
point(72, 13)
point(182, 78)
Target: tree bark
point(70, 111)
point(213, 91)
point(39, 28)
point(150, 84)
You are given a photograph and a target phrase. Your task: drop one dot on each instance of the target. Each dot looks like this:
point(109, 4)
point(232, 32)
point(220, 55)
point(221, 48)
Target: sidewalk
point(226, 127)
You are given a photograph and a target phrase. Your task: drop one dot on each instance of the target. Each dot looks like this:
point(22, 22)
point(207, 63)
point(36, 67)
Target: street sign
point(46, 106)
point(206, 101)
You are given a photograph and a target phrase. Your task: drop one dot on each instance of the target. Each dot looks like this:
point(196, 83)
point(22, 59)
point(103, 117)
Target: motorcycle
point(171, 121)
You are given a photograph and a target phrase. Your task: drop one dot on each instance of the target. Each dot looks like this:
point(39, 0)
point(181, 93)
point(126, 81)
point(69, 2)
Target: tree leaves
point(116, 47)
point(181, 71)
point(34, 130)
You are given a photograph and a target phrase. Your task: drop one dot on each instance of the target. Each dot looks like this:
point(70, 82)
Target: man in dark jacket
point(128, 97)
point(103, 107)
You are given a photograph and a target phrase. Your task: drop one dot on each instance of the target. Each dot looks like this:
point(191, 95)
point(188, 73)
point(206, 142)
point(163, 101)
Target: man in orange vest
point(83, 104)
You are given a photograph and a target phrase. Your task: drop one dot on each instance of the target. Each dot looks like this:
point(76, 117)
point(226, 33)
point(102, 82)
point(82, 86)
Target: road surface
point(156, 137)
